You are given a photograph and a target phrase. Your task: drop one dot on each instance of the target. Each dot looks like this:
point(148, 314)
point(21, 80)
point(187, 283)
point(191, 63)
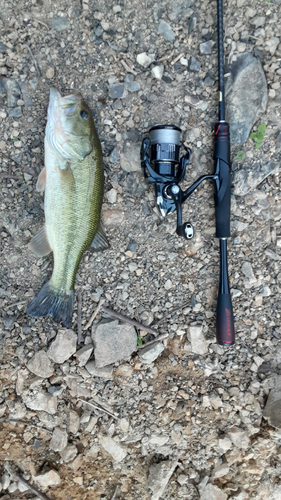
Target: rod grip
point(225, 321)
point(223, 180)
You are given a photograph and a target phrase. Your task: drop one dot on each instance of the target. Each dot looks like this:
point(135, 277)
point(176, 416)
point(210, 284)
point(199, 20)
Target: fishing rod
point(165, 166)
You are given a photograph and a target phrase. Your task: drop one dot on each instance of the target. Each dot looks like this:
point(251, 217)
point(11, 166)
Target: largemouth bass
point(73, 183)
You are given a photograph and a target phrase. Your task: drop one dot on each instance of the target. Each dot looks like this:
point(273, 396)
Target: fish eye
point(84, 115)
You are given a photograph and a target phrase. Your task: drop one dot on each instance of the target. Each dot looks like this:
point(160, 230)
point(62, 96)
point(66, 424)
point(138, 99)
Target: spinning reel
point(161, 157)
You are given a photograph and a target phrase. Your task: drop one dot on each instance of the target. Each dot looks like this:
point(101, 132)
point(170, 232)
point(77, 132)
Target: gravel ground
point(185, 421)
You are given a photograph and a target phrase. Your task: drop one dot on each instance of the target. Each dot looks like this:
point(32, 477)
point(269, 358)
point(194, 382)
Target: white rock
point(104, 372)
point(69, 453)
point(159, 476)
point(211, 492)
point(150, 353)
point(198, 342)
point(59, 439)
point(41, 402)
point(113, 448)
point(225, 444)
point(157, 72)
point(73, 422)
point(84, 354)
point(111, 196)
point(239, 437)
point(41, 365)
point(220, 470)
point(63, 347)
point(145, 59)
point(50, 478)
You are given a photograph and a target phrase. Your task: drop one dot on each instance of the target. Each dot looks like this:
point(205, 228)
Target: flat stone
point(131, 84)
point(150, 353)
point(41, 402)
point(159, 476)
point(220, 470)
point(247, 270)
point(252, 175)
point(59, 23)
point(113, 342)
point(225, 444)
point(8, 323)
point(114, 449)
point(50, 73)
point(84, 354)
point(73, 422)
point(41, 365)
point(145, 59)
point(105, 372)
point(125, 371)
point(112, 216)
point(272, 410)
point(69, 453)
point(206, 47)
point(63, 347)
point(50, 478)
point(198, 341)
point(116, 90)
point(13, 92)
point(3, 48)
point(211, 492)
point(245, 103)
point(193, 64)
point(59, 439)
point(15, 113)
point(239, 437)
point(130, 157)
point(111, 196)
point(166, 31)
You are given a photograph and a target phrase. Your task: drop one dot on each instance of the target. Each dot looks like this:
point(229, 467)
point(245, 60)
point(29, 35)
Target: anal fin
point(40, 244)
point(41, 181)
point(100, 241)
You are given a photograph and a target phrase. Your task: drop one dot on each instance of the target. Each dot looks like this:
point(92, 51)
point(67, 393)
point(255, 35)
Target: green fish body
point(73, 184)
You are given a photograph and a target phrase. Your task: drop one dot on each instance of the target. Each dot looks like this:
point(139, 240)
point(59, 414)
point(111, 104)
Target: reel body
point(161, 158)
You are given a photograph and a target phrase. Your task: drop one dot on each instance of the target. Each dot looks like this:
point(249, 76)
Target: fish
point(72, 179)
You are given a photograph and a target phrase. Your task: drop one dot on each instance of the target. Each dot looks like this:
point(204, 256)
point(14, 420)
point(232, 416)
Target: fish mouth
point(58, 101)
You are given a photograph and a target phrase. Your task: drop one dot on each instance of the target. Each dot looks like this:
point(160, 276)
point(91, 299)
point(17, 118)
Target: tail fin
point(50, 303)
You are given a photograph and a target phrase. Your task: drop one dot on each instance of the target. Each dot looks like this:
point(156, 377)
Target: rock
point(59, 23)
point(69, 453)
point(111, 196)
point(50, 478)
point(125, 371)
point(198, 342)
point(192, 24)
point(105, 372)
point(272, 45)
point(157, 72)
point(55, 390)
point(59, 439)
point(159, 476)
point(272, 410)
point(113, 448)
point(130, 157)
point(13, 92)
point(245, 103)
point(131, 85)
point(8, 323)
point(41, 402)
point(84, 354)
point(113, 342)
point(63, 347)
point(220, 470)
point(251, 176)
point(193, 64)
point(150, 353)
point(112, 217)
point(50, 73)
point(206, 47)
point(116, 90)
point(145, 59)
point(6, 480)
point(41, 365)
point(239, 437)
point(211, 492)
point(73, 422)
point(247, 270)
point(3, 48)
point(166, 31)
point(225, 444)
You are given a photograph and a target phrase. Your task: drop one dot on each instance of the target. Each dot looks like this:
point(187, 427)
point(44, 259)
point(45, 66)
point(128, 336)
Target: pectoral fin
point(41, 182)
point(39, 243)
point(99, 242)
